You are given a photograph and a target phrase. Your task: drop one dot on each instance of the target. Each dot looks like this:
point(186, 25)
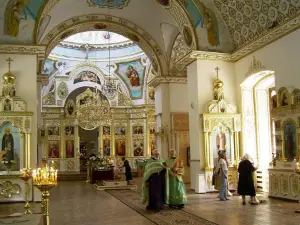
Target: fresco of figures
point(106, 147)
point(120, 146)
point(120, 131)
point(87, 76)
point(69, 131)
point(138, 147)
point(70, 149)
point(138, 130)
point(53, 131)
point(53, 149)
point(10, 147)
point(106, 130)
point(132, 73)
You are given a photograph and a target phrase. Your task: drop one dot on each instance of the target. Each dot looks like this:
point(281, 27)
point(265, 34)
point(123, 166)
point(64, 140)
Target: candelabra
point(26, 176)
point(45, 179)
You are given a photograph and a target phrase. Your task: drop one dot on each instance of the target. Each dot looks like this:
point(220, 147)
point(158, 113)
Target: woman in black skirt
point(246, 183)
point(128, 174)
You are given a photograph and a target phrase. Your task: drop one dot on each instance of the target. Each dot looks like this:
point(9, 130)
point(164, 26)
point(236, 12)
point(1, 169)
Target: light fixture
point(109, 88)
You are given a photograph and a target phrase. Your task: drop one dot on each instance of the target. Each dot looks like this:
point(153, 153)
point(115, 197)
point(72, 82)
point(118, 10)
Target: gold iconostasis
point(129, 132)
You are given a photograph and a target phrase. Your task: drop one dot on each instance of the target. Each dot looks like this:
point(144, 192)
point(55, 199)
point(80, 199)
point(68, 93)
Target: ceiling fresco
point(108, 4)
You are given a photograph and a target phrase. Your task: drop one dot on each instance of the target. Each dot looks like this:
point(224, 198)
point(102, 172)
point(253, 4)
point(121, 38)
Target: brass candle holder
point(45, 179)
point(26, 176)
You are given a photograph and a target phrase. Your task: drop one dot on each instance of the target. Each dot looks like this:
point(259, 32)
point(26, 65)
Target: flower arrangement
point(100, 162)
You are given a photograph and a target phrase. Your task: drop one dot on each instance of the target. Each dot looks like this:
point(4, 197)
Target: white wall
point(179, 101)
point(281, 56)
point(24, 67)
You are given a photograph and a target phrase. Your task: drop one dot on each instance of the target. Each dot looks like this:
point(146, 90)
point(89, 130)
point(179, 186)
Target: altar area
point(92, 128)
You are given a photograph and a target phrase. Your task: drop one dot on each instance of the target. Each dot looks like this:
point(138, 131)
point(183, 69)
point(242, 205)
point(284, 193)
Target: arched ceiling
point(207, 25)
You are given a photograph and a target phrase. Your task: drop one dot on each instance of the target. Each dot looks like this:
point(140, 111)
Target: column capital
point(167, 80)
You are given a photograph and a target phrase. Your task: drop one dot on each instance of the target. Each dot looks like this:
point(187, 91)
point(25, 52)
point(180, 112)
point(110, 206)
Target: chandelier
point(93, 109)
point(109, 88)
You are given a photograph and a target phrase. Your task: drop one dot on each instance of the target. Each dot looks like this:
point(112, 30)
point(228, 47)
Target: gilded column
point(113, 147)
point(129, 139)
point(99, 140)
point(76, 140)
point(236, 146)
point(206, 152)
point(147, 134)
point(62, 137)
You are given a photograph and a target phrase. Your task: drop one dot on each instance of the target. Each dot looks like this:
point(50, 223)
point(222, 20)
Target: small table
point(100, 175)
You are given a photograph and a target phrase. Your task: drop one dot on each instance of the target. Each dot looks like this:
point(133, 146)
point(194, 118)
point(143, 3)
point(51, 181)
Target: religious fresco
point(106, 147)
point(53, 131)
point(108, 4)
point(203, 18)
point(69, 149)
point(49, 67)
point(106, 130)
point(53, 149)
point(290, 144)
point(120, 130)
point(10, 147)
point(137, 129)
point(19, 20)
point(69, 130)
point(132, 73)
point(138, 147)
point(87, 76)
point(120, 145)
point(220, 141)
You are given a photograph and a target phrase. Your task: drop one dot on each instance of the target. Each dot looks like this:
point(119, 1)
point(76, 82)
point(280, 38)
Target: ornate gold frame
point(283, 141)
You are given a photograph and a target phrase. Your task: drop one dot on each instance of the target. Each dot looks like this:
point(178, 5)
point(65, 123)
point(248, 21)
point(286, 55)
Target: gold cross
point(9, 60)
point(217, 70)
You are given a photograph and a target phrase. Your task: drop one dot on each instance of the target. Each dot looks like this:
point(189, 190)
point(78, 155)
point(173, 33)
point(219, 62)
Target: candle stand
point(45, 179)
point(26, 176)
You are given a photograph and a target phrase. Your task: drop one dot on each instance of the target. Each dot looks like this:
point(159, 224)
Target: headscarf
point(247, 157)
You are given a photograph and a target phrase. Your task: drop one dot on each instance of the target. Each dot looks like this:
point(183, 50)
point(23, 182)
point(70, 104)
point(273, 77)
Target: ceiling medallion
point(119, 4)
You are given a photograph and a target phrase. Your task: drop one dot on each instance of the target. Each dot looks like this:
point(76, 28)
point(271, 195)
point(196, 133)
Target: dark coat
point(246, 183)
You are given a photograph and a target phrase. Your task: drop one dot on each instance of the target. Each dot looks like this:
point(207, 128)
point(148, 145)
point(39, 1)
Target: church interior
point(88, 84)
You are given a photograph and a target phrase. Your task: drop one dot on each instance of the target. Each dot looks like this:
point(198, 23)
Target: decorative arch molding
point(175, 10)
point(256, 66)
point(110, 23)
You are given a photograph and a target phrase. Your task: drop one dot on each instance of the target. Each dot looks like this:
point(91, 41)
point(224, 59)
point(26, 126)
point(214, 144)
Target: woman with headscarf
point(246, 183)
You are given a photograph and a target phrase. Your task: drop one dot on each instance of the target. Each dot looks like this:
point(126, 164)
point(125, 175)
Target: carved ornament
point(166, 80)
point(8, 189)
point(255, 67)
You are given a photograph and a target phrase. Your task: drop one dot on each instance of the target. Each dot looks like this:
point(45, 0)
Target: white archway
point(256, 127)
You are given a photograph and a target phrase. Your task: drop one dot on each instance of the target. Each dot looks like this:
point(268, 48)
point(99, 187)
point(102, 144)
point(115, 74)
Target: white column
point(163, 117)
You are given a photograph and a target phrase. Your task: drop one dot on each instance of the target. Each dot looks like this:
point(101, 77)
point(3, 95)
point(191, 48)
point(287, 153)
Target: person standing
point(177, 191)
point(223, 176)
point(128, 173)
point(246, 183)
point(155, 183)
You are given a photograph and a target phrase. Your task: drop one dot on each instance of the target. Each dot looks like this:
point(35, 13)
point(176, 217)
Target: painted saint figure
point(221, 140)
point(8, 145)
point(290, 145)
point(133, 75)
point(69, 149)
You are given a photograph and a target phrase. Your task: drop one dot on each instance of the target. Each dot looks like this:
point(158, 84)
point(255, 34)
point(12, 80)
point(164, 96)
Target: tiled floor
point(78, 203)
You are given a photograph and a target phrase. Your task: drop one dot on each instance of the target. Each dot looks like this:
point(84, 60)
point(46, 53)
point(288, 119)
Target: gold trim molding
point(167, 80)
point(23, 49)
point(259, 43)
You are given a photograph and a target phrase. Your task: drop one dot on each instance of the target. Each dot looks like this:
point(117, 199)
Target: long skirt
point(223, 185)
point(156, 187)
point(177, 192)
